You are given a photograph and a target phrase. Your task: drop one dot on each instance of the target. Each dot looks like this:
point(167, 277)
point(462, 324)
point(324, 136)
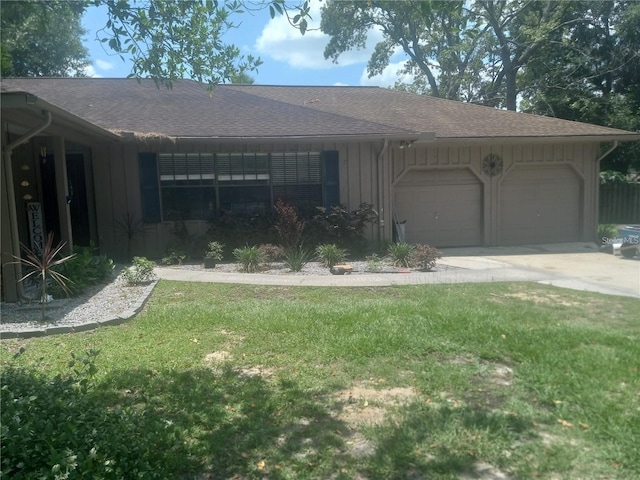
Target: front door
point(77, 198)
point(50, 197)
point(78, 205)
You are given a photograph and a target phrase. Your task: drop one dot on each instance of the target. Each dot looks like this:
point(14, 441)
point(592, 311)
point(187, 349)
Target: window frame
point(278, 171)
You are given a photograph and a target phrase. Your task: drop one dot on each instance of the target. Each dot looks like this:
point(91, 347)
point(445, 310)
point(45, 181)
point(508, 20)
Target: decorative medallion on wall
point(492, 165)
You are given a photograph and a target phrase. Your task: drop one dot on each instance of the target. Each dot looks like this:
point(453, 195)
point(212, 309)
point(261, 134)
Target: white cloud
point(388, 77)
point(104, 65)
point(90, 71)
point(282, 42)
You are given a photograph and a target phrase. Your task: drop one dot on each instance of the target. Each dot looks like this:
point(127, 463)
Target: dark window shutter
point(331, 181)
point(149, 188)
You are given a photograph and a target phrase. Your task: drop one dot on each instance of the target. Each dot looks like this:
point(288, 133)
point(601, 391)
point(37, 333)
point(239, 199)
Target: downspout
point(13, 212)
point(381, 226)
point(613, 147)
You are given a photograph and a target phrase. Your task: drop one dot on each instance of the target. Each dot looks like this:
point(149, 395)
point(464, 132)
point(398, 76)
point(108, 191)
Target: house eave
point(31, 105)
point(413, 137)
point(631, 137)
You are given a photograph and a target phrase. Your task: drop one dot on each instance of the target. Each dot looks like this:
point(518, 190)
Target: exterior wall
point(369, 172)
point(118, 196)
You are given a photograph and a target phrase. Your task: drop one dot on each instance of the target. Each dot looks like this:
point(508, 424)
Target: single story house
point(87, 158)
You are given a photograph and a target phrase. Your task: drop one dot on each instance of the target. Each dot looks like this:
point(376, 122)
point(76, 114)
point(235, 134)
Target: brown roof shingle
point(255, 111)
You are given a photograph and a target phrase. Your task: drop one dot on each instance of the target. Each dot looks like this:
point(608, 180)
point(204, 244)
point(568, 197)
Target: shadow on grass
point(208, 424)
point(233, 425)
point(443, 442)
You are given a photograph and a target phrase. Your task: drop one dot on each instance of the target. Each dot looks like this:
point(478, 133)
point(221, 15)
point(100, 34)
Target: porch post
point(62, 187)
point(10, 271)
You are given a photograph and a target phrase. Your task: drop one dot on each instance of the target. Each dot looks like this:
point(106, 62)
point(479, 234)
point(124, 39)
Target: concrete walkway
point(578, 266)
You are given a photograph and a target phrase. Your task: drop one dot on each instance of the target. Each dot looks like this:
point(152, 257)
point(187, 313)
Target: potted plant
point(213, 254)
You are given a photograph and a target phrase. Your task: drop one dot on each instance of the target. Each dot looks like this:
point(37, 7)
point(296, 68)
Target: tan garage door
point(540, 205)
point(442, 208)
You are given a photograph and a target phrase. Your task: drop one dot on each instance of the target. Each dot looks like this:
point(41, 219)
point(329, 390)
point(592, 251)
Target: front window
point(198, 186)
point(187, 186)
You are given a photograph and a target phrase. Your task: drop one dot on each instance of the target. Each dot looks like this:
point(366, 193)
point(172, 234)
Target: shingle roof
point(242, 111)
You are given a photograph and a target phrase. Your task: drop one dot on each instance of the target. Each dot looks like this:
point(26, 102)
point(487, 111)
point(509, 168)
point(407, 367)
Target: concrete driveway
point(577, 266)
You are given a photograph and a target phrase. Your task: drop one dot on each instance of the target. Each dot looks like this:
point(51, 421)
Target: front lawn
point(423, 382)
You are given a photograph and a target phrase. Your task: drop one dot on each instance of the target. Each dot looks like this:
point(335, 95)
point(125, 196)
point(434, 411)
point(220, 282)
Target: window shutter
point(149, 188)
point(331, 183)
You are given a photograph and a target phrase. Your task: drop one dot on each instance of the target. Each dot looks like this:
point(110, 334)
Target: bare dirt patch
point(361, 406)
point(540, 298)
point(215, 358)
point(368, 406)
point(257, 371)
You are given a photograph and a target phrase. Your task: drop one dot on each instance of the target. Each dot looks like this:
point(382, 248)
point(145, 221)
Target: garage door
point(441, 208)
point(540, 205)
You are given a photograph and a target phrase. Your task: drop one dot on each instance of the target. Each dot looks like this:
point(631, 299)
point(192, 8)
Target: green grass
point(254, 381)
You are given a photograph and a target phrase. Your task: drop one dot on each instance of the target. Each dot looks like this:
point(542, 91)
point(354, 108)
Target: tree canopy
point(164, 40)
point(42, 38)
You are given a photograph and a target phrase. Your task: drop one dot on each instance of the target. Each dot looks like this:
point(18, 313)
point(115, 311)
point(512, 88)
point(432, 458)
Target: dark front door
point(78, 205)
point(50, 197)
point(77, 198)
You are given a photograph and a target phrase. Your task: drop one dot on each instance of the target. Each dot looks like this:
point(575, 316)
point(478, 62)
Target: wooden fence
point(620, 203)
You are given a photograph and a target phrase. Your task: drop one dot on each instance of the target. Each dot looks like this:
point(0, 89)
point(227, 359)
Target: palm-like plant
point(43, 267)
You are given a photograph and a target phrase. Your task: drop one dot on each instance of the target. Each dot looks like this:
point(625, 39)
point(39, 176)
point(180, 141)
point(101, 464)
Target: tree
point(470, 51)
point(177, 39)
point(242, 78)
point(42, 39)
point(441, 42)
point(165, 40)
point(592, 74)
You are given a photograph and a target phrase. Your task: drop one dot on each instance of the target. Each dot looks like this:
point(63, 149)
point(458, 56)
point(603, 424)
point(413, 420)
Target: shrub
point(271, 253)
point(62, 427)
point(174, 257)
point(140, 272)
point(330, 254)
point(374, 263)
point(215, 250)
point(345, 229)
point(288, 225)
point(249, 258)
point(400, 254)
point(613, 176)
point(424, 257)
point(84, 270)
point(297, 258)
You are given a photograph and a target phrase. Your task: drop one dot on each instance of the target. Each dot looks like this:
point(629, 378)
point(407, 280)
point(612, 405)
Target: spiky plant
point(329, 254)
point(43, 267)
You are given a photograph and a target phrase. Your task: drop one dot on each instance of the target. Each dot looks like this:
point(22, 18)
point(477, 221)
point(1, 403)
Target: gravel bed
point(98, 303)
point(311, 268)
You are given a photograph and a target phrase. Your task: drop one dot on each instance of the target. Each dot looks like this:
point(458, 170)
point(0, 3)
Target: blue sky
point(289, 57)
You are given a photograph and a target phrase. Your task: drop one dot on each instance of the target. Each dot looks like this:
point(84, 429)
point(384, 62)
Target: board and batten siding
point(567, 171)
point(118, 195)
